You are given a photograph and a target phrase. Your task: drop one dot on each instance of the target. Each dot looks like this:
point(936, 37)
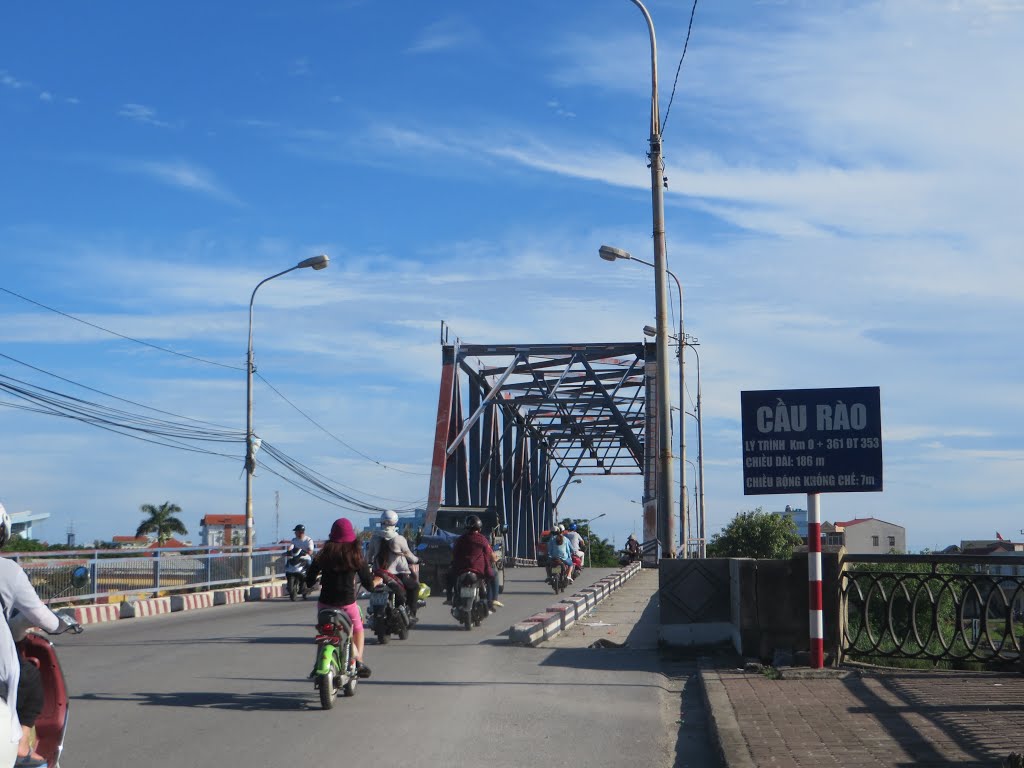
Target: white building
point(871, 536)
point(223, 531)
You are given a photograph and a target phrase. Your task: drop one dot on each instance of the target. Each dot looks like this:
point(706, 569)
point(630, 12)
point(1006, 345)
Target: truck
point(435, 549)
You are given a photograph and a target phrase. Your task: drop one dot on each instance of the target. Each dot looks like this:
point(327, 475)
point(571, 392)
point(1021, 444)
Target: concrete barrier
point(265, 592)
point(93, 614)
point(192, 601)
point(229, 596)
point(152, 606)
point(563, 614)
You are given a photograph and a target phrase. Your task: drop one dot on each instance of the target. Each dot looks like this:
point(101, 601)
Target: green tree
point(161, 522)
point(600, 553)
point(19, 544)
point(760, 534)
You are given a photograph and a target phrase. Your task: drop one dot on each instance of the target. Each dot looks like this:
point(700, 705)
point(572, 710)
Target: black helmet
point(473, 523)
point(300, 528)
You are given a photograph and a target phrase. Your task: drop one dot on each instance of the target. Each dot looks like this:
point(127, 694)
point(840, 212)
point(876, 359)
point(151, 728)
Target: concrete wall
point(757, 606)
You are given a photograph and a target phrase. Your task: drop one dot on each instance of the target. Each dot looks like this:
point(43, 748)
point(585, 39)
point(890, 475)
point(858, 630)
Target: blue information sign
point(812, 440)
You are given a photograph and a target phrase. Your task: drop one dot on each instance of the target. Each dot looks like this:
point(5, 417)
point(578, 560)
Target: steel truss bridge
point(518, 423)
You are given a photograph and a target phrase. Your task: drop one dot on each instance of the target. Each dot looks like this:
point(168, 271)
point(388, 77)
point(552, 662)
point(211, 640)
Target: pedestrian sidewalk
point(856, 717)
point(862, 717)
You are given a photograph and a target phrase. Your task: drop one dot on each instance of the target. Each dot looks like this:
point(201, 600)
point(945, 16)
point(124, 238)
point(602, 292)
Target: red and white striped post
point(814, 580)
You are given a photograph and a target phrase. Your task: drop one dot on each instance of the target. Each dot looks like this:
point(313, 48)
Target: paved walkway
point(866, 718)
point(844, 717)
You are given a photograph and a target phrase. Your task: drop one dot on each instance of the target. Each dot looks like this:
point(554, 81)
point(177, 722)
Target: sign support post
point(814, 580)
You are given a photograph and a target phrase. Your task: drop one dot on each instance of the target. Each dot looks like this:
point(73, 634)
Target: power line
point(686, 44)
point(197, 359)
point(332, 435)
point(120, 335)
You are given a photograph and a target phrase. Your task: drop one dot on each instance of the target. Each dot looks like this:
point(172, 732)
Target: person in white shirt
point(17, 594)
point(302, 541)
point(390, 550)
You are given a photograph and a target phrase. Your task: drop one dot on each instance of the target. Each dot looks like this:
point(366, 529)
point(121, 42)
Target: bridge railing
point(941, 608)
point(117, 573)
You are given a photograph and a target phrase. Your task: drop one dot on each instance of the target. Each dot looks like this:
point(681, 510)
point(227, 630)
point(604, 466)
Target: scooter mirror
point(79, 577)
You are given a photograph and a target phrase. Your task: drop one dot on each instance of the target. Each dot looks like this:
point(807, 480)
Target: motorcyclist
point(559, 553)
point(302, 541)
point(633, 548)
point(341, 563)
point(576, 543)
point(22, 701)
point(473, 552)
point(392, 548)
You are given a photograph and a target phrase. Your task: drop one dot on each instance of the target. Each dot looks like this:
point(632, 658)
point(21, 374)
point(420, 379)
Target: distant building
point(130, 542)
point(21, 522)
point(223, 531)
point(871, 536)
point(799, 517)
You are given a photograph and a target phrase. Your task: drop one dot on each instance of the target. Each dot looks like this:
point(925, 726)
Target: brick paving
point(867, 718)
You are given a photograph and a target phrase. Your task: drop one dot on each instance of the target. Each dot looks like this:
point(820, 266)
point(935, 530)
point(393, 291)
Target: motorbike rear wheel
point(291, 587)
point(383, 637)
point(403, 631)
point(467, 619)
point(326, 684)
point(349, 689)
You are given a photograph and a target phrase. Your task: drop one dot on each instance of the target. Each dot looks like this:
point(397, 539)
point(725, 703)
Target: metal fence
point(940, 608)
point(145, 573)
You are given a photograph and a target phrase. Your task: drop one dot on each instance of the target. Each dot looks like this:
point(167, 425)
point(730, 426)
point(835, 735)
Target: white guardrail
point(118, 573)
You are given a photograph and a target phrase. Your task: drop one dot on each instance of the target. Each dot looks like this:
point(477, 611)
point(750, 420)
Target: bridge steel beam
point(539, 415)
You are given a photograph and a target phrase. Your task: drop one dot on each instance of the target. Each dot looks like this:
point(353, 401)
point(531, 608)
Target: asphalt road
point(226, 686)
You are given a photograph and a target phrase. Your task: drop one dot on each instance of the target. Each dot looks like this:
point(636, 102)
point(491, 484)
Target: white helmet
point(389, 517)
point(5, 526)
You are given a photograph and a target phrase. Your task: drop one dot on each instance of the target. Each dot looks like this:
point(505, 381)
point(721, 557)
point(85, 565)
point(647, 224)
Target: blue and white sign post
point(812, 441)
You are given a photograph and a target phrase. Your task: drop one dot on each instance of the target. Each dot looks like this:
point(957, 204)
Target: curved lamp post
point(314, 262)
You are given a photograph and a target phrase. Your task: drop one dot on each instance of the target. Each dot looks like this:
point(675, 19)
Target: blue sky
point(843, 210)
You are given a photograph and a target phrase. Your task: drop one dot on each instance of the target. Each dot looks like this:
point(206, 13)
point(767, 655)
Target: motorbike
point(626, 557)
point(577, 565)
point(297, 561)
point(558, 576)
point(52, 722)
point(385, 616)
point(335, 669)
point(470, 604)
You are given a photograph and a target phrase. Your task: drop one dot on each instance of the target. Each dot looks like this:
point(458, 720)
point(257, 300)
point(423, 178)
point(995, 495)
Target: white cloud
point(180, 174)
point(444, 35)
point(141, 114)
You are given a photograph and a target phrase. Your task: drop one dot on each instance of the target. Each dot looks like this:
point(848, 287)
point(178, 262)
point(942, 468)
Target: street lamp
point(608, 253)
point(587, 522)
point(314, 262)
point(692, 343)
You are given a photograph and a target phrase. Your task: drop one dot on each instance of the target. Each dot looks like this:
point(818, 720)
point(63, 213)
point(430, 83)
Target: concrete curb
point(229, 596)
point(563, 614)
point(725, 728)
point(93, 614)
point(152, 606)
point(265, 592)
point(192, 601)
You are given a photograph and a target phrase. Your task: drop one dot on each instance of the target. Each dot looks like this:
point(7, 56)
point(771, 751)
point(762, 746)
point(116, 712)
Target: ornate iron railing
point(952, 608)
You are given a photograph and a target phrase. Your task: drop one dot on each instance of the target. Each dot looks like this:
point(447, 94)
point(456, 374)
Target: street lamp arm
point(655, 116)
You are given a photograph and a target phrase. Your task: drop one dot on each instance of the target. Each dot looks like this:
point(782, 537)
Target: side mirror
point(80, 577)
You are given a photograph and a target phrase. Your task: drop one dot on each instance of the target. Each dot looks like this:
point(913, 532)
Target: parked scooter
point(470, 604)
point(335, 663)
point(385, 616)
point(52, 722)
point(297, 562)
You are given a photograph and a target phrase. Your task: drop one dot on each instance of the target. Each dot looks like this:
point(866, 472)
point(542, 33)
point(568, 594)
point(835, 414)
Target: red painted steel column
point(814, 580)
point(444, 415)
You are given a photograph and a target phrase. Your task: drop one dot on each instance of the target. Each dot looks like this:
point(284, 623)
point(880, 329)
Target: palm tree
point(161, 522)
